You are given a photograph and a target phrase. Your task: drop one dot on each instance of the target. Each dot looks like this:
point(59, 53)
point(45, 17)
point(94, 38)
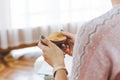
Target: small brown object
point(57, 38)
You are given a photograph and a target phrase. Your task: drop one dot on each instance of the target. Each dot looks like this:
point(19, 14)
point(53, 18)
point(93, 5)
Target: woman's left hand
point(52, 54)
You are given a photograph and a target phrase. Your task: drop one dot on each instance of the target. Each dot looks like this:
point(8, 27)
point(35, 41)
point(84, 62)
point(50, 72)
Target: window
point(32, 13)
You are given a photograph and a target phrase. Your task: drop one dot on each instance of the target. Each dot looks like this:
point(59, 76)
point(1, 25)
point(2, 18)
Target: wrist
point(59, 64)
point(59, 68)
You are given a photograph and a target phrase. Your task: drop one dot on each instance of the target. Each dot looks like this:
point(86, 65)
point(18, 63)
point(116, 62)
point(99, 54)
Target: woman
point(96, 51)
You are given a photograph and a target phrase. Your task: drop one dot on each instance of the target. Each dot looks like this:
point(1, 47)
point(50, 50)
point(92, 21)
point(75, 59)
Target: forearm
point(61, 75)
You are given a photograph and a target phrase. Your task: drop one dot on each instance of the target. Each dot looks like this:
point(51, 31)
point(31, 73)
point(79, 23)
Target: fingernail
point(42, 37)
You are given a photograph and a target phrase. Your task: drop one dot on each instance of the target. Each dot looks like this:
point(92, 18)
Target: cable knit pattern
point(97, 48)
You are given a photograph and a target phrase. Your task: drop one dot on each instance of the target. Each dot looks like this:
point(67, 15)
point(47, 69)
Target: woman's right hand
point(67, 47)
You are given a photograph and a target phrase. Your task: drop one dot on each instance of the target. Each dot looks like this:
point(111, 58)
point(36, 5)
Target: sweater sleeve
point(91, 61)
point(97, 49)
point(95, 62)
point(95, 66)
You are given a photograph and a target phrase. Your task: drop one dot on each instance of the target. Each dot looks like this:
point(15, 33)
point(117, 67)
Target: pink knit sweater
point(96, 53)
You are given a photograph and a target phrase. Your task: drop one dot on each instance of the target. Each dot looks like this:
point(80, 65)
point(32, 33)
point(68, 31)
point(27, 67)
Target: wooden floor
point(21, 69)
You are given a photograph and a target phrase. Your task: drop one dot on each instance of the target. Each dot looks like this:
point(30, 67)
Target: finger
point(69, 35)
point(63, 46)
point(67, 48)
point(46, 42)
point(42, 37)
point(41, 46)
point(43, 43)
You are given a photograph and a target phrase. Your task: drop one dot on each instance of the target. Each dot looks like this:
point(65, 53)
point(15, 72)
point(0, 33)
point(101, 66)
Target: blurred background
point(23, 21)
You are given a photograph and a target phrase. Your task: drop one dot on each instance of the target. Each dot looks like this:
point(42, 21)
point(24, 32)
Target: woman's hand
point(68, 46)
point(52, 54)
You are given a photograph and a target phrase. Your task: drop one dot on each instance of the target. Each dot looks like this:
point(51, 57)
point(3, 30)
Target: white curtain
point(22, 21)
point(4, 21)
point(31, 13)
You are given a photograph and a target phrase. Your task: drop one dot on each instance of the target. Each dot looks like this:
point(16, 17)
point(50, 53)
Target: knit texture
point(97, 48)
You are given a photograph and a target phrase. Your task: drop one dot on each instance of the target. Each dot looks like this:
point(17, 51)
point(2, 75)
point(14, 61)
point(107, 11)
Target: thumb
point(69, 35)
point(45, 41)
